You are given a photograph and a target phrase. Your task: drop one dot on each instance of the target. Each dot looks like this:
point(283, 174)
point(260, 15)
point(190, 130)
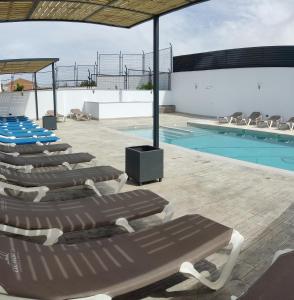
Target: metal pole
point(156, 82)
point(171, 58)
point(36, 96)
point(54, 89)
point(143, 62)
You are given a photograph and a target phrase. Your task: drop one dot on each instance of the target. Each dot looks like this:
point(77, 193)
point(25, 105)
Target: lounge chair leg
point(42, 191)
point(236, 241)
point(67, 165)
point(121, 182)
point(123, 222)
point(52, 234)
point(168, 213)
point(91, 185)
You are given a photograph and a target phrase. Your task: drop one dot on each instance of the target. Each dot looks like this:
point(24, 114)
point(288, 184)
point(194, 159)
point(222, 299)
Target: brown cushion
point(46, 160)
point(33, 148)
point(80, 214)
point(57, 179)
point(114, 266)
point(276, 283)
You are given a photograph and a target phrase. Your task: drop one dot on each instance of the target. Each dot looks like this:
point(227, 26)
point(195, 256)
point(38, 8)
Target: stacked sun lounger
point(44, 268)
point(21, 130)
point(256, 119)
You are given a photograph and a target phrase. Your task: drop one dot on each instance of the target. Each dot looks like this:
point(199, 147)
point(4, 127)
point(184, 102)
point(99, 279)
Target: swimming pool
point(275, 150)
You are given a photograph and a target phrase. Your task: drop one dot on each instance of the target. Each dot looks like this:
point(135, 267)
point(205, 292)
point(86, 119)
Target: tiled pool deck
point(255, 200)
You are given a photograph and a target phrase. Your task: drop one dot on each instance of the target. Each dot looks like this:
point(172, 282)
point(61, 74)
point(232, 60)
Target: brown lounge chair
point(31, 149)
point(270, 122)
point(41, 183)
point(28, 163)
point(254, 118)
point(54, 218)
point(232, 118)
point(287, 125)
point(276, 283)
point(60, 117)
point(106, 268)
point(77, 114)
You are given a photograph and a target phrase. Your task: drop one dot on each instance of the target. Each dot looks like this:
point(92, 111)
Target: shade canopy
point(29, 65)
point(119, 13)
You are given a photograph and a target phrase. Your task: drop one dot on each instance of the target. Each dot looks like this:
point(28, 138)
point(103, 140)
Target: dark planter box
point(49, 122)
point(144, 163)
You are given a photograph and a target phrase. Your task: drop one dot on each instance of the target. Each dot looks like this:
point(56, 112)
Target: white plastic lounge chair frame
point(268, 123)
point(258, 119)
point(59, 117)
point(77, 114)
point(42, 190)
point(185, 268)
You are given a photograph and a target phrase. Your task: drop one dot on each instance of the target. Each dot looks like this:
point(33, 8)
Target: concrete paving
point(255, 200)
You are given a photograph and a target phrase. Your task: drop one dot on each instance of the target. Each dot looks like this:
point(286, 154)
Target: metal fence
point(110, 71)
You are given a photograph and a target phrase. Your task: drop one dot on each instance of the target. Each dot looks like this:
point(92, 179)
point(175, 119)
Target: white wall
point(24, 104)
point(222, 92)
point(125, 110)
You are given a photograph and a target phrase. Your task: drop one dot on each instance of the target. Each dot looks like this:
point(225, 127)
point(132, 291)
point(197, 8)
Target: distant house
point(11, 86)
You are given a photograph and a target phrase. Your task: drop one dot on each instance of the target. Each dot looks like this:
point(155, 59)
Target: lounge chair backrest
point(275, 118)
point(255, 115)
point(76, 111)
point(50, 112)
point(237, 114)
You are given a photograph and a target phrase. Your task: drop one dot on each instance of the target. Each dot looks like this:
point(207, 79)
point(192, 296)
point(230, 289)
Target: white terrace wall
point(222, 92)
point(137, 103)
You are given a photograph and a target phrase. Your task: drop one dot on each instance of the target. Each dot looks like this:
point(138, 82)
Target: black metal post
point(54, 89)
point(36, 95)
point(156, 82)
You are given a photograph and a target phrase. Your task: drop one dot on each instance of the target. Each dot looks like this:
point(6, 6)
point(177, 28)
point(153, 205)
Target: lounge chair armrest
point(168, 213)
point(123, 222)
point(236, 242)
point(121, 182)
point(279, 253)
point(52, 234)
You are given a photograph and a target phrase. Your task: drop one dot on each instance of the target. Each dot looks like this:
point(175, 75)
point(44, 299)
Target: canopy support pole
point(54, 89)
point(156, 82)
point(36, 96)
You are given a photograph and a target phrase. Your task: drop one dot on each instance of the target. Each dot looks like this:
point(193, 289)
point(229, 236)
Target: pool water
point(253, 146)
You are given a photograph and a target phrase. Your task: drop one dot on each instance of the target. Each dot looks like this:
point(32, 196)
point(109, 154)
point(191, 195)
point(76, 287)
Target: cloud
point(208, 26)
point(228, 24)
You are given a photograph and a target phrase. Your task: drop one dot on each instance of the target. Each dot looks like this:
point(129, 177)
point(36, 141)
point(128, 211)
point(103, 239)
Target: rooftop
point(25, 65)
point(252, 199)
point(118, 13)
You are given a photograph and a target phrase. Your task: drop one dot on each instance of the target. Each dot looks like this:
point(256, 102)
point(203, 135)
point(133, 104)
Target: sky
point(212, 25)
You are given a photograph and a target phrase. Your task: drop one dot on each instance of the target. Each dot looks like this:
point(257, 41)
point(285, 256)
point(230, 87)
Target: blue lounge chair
point(28, 140)
point(24, 134)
